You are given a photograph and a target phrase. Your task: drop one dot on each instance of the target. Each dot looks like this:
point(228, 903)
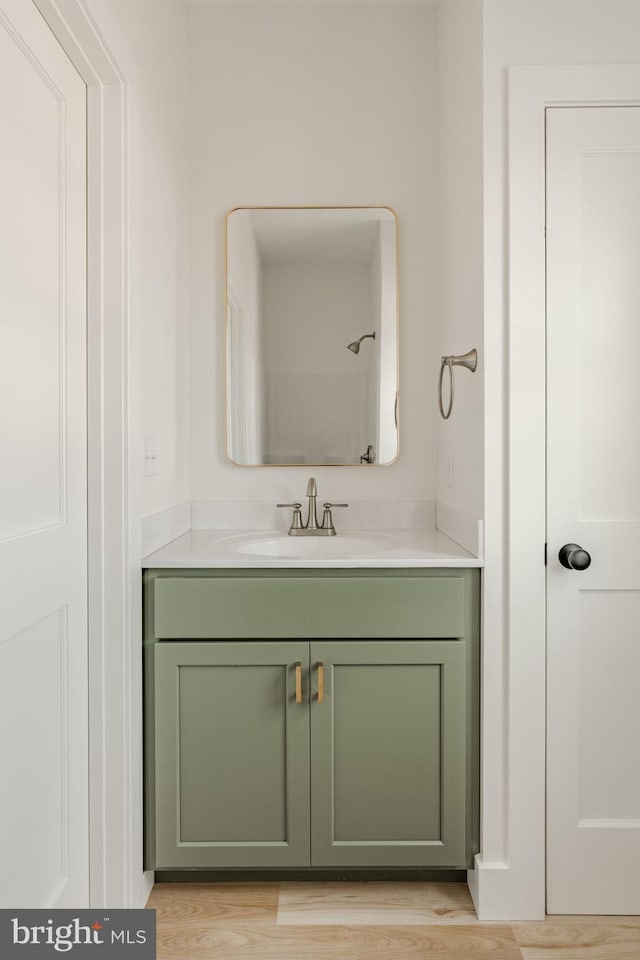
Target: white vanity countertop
point(421, 547)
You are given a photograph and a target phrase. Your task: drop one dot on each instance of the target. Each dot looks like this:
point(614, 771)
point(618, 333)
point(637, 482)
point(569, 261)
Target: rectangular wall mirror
point(312, 336)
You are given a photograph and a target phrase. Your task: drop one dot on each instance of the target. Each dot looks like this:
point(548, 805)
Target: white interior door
point(593, 483)
point(43, 475)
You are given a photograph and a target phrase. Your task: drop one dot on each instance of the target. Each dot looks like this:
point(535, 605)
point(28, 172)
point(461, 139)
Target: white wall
point(246, 406)
point(386, 381)
point(373, 412)
point(312, 105)
point(148, 40)
point(518, 32)
point(316, 390)
point(462, 472)
point(151, 36)
point(460, 249)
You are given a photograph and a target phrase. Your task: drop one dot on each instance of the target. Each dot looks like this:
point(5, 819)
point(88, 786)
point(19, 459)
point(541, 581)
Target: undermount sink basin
point(314, 548)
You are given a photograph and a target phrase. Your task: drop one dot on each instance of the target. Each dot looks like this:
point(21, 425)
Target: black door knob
point(573, 557)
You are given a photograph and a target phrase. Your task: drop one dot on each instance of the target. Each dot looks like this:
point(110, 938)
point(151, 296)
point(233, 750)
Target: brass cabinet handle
point(321, 682)
point(298, 683)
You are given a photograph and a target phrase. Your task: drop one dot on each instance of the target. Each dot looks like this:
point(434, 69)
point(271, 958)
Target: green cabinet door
point(231, 755)
point(388, 754)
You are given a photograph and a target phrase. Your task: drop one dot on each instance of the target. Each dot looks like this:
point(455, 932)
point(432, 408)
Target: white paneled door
point(593, 483)
point(43, 473)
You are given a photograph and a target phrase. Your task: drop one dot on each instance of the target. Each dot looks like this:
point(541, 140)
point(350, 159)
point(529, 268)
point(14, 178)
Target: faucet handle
point(327, 519)
point(296, 520)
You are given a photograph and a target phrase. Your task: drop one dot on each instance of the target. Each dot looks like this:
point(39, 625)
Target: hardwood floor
point(374, 904)
point(367, 921)
point(580, 938)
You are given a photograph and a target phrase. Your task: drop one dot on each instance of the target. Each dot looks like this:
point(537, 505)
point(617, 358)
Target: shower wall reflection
point(303, 284)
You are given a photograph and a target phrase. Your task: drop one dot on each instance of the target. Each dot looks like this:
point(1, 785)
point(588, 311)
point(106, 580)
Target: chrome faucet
point(312, 516)
point(311, 528)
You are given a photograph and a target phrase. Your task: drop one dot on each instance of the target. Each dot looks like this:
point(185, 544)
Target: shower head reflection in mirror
point(301, 283)
point(355, 346)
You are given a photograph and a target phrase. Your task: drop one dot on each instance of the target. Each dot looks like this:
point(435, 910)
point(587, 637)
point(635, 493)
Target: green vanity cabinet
point(388, 754)
point(232, 755)
point(313, 751)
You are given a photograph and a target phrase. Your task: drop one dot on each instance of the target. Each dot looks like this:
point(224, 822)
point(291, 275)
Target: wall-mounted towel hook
point(468, 360)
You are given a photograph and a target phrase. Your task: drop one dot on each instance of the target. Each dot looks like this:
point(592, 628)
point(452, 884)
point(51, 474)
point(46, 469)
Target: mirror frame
point(227, 340)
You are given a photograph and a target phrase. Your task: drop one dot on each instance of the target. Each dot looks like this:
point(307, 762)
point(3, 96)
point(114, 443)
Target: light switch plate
point(150, 468)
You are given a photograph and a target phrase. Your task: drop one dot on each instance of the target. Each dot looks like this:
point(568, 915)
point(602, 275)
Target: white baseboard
point(162, 527)
point(141, 891)
point(489, 888)
point(464, 528)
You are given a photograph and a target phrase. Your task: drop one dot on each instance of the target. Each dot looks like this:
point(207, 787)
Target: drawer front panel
point(243, 607)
